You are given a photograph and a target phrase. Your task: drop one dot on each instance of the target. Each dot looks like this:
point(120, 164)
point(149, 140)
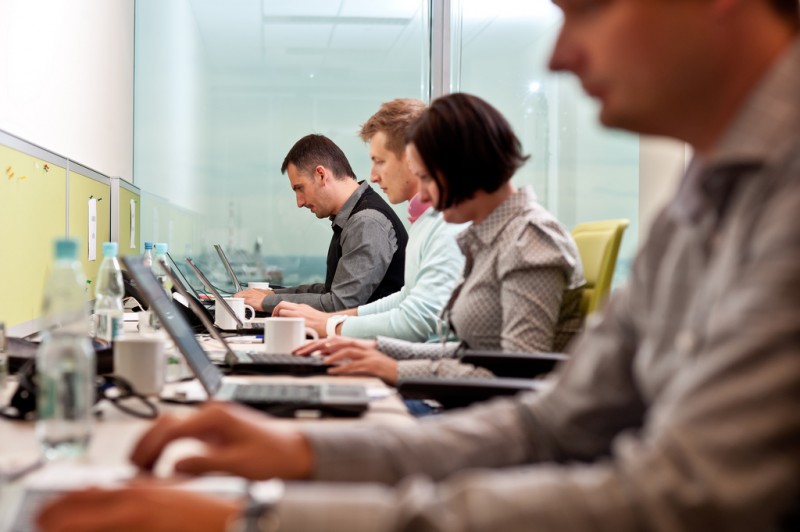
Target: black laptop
point(277, 399)
point(254, 362)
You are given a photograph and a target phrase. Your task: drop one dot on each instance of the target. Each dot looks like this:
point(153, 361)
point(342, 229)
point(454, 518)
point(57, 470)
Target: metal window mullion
point(441, 46)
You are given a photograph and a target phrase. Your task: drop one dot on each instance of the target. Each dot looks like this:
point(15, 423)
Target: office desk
point(116, 432)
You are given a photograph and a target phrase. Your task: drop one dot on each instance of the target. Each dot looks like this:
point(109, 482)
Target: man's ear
point(321, 173)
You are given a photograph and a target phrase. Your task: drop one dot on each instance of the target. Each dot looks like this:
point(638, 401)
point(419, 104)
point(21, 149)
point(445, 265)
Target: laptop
point(285, 400)
point(254, 362)
point(228, 267)
point(241, 327)
point(205, 301)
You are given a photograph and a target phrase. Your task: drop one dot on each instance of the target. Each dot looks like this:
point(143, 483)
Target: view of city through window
point(223, 90)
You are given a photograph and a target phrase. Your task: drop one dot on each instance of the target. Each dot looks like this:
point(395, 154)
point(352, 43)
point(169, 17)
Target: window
point(224, 89)
point(579, 170)
point(222, 92)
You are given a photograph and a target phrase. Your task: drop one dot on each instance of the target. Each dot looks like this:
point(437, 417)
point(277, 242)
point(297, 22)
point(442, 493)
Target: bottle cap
point(148, 245)
point(161, 248)
point(110, 249)
point(66, 248)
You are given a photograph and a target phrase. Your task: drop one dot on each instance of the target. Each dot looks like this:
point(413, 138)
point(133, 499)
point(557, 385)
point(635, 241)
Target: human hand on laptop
point(363, 361)
point(254, 297)
point(316, 319)
point(328, 346)
point(238, 441)
point(348, 356)
point(145, 506)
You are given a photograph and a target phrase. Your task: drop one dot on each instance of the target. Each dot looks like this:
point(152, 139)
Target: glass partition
point(580, 171)
point(222, 92)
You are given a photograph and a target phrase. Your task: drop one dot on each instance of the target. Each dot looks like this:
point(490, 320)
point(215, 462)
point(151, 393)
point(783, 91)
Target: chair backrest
point(598, 243)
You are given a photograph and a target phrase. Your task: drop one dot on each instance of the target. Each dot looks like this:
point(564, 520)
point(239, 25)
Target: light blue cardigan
point(434, 264)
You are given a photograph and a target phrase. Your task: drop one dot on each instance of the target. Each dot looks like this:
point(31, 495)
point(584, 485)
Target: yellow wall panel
point(81, 189)
point(33, 199)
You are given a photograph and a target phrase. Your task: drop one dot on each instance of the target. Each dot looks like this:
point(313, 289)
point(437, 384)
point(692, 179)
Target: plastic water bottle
point(65, 361)
point(147, 258)
point(158, 267)
point(108, 296)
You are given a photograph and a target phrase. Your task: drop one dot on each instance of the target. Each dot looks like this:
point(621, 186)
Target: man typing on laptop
point(366, 256)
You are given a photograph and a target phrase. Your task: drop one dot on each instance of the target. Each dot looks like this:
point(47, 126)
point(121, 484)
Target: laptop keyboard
point(277, 393)
point(25, 520)
point(282, 358)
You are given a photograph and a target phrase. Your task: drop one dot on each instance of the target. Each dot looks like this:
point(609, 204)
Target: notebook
point(241, 327)
point(252, 362)
point(277, 399)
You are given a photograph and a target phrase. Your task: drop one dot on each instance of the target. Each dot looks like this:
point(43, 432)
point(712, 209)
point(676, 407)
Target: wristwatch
point(259, 513)
point(333, 321)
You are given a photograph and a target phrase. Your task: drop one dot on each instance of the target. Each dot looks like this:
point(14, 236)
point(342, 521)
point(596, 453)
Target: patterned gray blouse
point(521, 291)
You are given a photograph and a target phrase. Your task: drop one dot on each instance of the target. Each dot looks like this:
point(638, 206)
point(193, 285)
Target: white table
point(115, 433)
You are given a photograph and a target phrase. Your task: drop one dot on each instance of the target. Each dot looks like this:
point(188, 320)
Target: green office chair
point(598, 243)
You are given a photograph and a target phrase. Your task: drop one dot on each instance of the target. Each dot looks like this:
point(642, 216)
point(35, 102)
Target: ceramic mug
point(284, 335)
point(225, 321)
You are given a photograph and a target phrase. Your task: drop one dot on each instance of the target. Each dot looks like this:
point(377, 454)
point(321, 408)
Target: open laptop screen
point(183, 279)
point(195, 307)
point(175, 324)
point(228, 267)
point(211, 288)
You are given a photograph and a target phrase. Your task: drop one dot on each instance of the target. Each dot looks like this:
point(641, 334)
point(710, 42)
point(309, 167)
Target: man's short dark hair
point(313, 150)
point(466, 146)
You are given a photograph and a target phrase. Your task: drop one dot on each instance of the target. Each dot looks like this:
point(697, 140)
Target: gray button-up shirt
point(368, 245)
point(521, 291)
point(680, 407)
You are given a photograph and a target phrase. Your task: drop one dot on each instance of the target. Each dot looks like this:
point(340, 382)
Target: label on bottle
point(108, 325)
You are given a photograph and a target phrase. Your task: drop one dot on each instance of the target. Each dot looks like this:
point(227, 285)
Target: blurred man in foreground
point(678, 408)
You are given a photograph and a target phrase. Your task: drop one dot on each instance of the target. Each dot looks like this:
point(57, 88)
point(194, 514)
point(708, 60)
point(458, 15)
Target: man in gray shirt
point(366, 257)
point(679, 408)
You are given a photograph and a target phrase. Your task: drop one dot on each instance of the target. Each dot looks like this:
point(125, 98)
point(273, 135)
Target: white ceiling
point(269, 34)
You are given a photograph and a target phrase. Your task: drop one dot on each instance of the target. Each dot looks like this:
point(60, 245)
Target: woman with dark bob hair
point(522, 278)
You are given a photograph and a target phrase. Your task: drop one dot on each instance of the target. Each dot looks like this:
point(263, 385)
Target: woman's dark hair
point(466, 146)
point(312, 150)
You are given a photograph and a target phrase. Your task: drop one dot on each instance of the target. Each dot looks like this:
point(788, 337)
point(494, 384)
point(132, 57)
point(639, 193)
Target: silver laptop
point(186, 284)
point(252, 362)
point(241, 326)
point(228, 267)
point(277, 399)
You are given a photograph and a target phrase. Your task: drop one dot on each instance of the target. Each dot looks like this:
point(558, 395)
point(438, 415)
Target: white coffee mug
point(261, 285)
point(140, 360)
point(284, 335)
point(224, 320)
point(145, 324)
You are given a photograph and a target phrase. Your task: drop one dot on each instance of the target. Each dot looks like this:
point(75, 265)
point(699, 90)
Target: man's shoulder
point(371, 223)
point(373, 206)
